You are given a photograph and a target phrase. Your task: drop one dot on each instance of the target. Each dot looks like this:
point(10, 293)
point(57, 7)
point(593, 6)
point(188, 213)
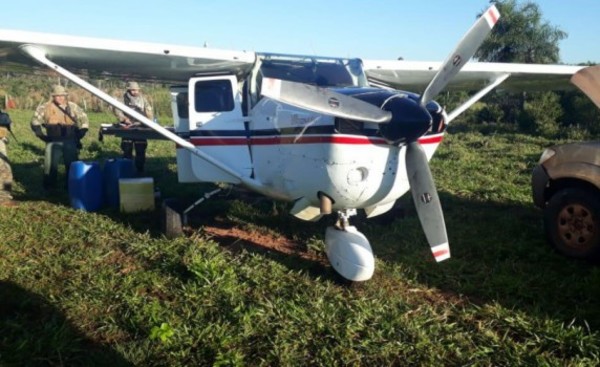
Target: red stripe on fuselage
point(212, 141)
point(435, 139)
point(329, 139)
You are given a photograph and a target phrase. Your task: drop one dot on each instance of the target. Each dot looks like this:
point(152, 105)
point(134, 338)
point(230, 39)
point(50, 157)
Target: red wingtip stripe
point(440, 253)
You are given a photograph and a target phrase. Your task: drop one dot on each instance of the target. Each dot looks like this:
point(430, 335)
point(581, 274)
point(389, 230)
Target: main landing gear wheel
point(572, 223)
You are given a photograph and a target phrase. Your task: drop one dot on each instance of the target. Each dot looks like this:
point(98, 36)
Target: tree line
point(28, 90)
point(523, 36)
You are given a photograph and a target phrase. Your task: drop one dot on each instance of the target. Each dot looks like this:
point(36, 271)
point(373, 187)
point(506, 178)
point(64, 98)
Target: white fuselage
point(294, 153)
point(355, 171)
point(297, 154)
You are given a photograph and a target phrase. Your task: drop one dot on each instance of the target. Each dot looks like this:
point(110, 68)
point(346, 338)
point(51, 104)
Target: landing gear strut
point(173, 218)
point(348, 250)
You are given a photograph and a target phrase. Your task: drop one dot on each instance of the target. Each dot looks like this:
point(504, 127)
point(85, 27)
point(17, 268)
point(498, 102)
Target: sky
point(374, 29)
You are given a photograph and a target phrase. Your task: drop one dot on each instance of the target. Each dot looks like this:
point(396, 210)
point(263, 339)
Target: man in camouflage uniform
point(134, 99)
point(65, 124)
point(6, 177)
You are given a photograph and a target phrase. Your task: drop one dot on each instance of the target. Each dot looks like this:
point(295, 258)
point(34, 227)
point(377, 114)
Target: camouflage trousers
point(67, 150)
point(6, 177)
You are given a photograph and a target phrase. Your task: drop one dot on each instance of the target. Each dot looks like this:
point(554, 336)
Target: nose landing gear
point(348, 250)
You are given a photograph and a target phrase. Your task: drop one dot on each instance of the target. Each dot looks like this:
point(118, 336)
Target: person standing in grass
point(134, 99)
point(65, 124)
point(6, 177)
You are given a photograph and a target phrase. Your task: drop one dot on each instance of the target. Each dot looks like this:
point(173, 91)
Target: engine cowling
point(410, 120)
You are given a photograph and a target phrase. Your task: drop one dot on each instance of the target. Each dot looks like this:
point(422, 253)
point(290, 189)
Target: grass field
point(107, 288)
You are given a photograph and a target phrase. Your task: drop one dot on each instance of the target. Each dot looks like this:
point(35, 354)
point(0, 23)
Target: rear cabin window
point(213, 96)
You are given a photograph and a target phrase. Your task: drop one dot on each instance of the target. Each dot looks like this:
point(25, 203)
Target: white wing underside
point(123, 58)
point(178, 63)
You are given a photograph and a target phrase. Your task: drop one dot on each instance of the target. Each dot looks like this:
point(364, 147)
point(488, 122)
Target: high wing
point(149, 61)
point(137, 60)
point(415, 75)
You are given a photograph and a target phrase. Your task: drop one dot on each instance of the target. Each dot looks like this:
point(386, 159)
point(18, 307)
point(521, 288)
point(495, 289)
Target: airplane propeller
point(323, 100)
point(422, 186)
point(402, 119)
point(463, 52)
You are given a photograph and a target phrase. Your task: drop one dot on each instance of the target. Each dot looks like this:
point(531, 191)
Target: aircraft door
point(181, 123)
point(217, 126)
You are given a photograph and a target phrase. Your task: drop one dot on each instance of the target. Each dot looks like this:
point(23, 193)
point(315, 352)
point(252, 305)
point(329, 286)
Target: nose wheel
point(348, 250)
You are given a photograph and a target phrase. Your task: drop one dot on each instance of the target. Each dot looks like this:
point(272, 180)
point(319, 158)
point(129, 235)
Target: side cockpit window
point(213, 96)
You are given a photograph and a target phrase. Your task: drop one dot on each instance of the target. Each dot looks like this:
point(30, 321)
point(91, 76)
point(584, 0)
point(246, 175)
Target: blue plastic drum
point(85, 186)
point(115, 169)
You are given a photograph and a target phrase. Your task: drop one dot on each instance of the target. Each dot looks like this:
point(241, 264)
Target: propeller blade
point(463, 52)
point(323, 100)
point(426, 200)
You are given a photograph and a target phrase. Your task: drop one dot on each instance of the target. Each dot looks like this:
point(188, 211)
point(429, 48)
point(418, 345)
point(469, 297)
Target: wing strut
point(39, 55)
point(462, 108)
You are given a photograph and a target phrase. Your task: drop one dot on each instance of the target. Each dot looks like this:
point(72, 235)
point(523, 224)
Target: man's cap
point(59, 90)
point(133, 85)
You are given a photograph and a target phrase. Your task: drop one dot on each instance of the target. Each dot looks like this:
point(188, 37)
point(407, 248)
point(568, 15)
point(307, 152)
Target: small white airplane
point(331, 135)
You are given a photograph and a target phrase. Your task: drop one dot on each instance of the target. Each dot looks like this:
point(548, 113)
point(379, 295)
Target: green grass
point(107, 288)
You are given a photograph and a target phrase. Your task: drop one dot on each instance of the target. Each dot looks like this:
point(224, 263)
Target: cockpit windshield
point(322, 72)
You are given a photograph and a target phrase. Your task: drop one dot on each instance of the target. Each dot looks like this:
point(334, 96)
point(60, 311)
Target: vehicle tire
point(572, 223)
point(171, 219)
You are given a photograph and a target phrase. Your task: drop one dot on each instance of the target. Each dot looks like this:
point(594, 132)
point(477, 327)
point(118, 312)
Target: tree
point(540, 115)
point(580, 114)
point(521, 35)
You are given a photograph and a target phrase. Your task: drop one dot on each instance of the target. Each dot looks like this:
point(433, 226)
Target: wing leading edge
point(124, 58)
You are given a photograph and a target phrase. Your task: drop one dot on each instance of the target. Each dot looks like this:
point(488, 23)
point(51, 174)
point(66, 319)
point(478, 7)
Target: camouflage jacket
point(48, 113)
point(138, 103)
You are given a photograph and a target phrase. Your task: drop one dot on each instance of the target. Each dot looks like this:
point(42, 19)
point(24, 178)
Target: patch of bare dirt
point(235, 239)
point(122, 261)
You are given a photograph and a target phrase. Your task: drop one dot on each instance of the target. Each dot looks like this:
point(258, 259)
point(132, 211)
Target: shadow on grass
point(41, 335)
point(499, 251)
point(499, 254)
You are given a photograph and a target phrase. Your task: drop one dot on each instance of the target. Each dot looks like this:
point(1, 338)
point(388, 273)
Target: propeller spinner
point(402, 119)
